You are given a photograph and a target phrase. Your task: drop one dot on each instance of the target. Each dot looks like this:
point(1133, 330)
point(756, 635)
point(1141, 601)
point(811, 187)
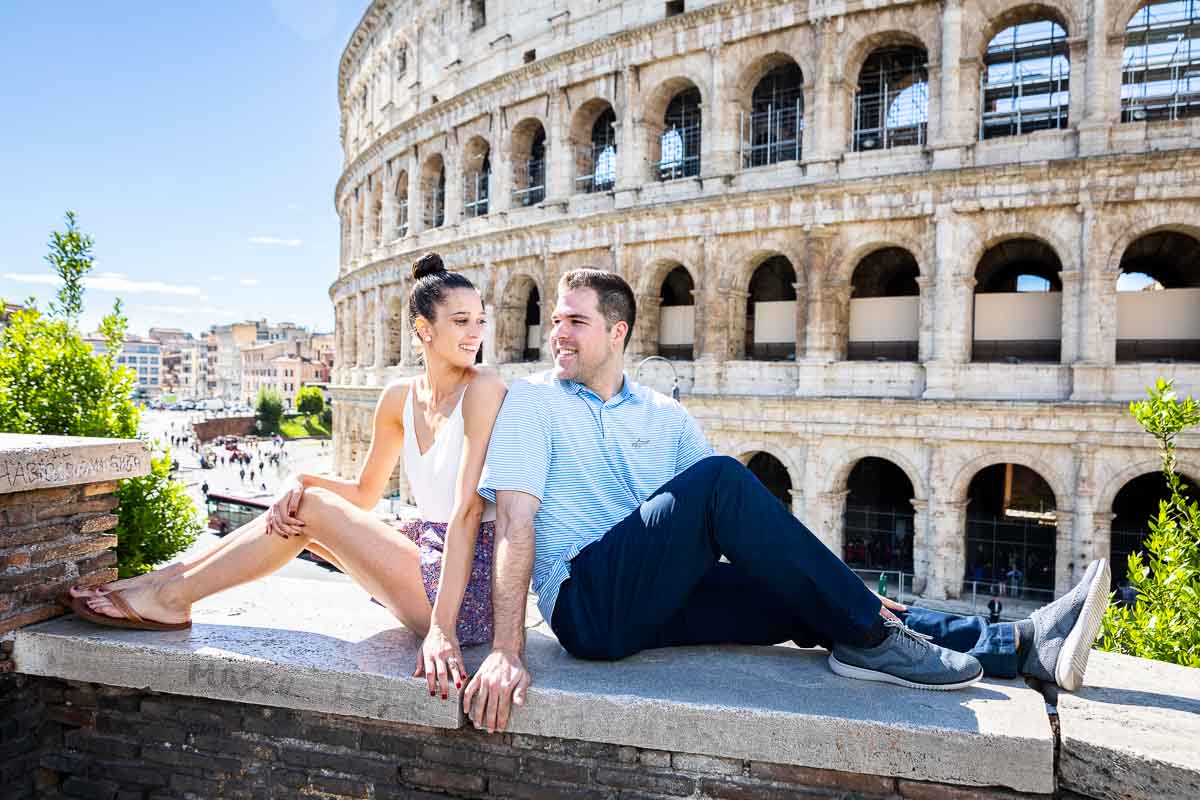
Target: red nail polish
point(432, 694)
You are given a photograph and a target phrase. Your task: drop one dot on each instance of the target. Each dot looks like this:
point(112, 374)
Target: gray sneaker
point(906, 658)
point(1064, 631)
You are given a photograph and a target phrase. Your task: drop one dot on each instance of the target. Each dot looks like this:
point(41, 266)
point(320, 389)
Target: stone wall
point(210, 429)
point(57, 515)
point(125, 743)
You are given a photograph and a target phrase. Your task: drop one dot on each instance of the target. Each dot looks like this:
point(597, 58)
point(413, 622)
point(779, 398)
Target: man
point(994, 608)
point(610, 498)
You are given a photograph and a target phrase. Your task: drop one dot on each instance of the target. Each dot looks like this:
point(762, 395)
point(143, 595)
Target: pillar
point(718, 149)
point(631, 145)
point(379, 324)
point(926, 316)
point(1071, 300)
point(831, 522)
point(921, 545)
point(559, 153)
point(824, 139)
point(387, 222)
point(416, 198)
point(953, 131)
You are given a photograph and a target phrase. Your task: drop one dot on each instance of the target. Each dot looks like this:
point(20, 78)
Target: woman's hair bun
point(428, 264)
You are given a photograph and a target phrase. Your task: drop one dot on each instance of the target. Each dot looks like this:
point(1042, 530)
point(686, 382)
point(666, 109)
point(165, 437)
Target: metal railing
point(597, 168)
point(772, 135)
point(475, 194)
point(892, 115)
point(435, 207)
point(1023, 102)
point(529, 182)
point(679, 155)
point(402, 218)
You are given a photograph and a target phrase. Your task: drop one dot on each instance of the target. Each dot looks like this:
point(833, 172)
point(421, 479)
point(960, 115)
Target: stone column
point(646, 332)
point(831, 524)
point(501, 184)
point(387, 225)
point(560, 157)
point(1102, 80)
point(921, 545)
point(954, 309)
point(952, 135)
point(824, 138)
point(797, 504)
point(453, 161)
point(1095, 313)
point(356, 226)
point(350, 351)
point(926, 317)
point(631, 146)
point(825, 335)
point(416, 198)
point(801, 327)
point(361, 328)
point(1069, 332)
point(719, 146)
point(1064, 548)
point(947, 557)
point(379, 323)
point(1077, 102)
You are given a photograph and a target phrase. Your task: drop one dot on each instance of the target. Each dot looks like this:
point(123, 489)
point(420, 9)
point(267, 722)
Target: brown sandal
point(130, 618)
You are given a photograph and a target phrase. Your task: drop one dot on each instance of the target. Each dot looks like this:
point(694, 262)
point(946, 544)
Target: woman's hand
point(440, 661)
point(281, 516)
point(890, 607)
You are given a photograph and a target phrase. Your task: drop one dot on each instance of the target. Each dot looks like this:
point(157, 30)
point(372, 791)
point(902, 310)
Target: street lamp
point(674, 375)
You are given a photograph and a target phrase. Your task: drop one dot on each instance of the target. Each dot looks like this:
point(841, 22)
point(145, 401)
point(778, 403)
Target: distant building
point(143, 356)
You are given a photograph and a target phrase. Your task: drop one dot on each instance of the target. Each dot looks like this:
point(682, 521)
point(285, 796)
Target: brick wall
point(51, 539)
point(210, 429)
point(111, 743)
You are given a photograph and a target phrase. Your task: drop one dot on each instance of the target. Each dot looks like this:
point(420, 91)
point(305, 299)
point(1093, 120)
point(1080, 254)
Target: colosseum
point(909, 261)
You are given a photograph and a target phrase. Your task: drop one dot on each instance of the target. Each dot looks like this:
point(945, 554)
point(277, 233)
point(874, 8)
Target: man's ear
point(618, 333)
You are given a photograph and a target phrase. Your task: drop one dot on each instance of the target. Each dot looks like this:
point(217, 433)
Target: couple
point(607, 495)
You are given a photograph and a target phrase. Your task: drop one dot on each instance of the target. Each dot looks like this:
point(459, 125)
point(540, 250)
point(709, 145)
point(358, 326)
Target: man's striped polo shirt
point(590, 462)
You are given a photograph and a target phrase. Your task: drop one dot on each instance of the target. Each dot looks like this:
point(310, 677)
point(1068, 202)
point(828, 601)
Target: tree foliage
point(1164, 622)
point(268, 413)
point(52, 383)
point(309, 400)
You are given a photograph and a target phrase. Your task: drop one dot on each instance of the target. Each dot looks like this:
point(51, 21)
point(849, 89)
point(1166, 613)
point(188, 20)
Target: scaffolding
point(475, 192)
point(1025, 85)
point(597, 168)
point(529, 182)
point(679, 145)
point(1160, 73)
point(891, 104)
point(435, 202)
point(773, 130)
point(402, 216)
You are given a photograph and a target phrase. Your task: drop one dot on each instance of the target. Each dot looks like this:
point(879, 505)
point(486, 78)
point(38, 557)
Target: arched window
point(597, 160)
point(1011, 527)
point(771, 312)
point(885, 307)
point(433, 192)
point(878, 521)
point(891, 104)
point(1025, 83)
point(680, 141)
point(402, 204)
point(1133, 508)
point(774, 129)
point(677, 315)
point(1158, 291)
point(477, 176)
point(1160, 67)
point(1018, 303)
point(529, 163)
point(774, 475)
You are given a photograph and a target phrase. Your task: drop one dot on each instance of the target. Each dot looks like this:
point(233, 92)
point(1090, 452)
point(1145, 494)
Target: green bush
point(268, 413)
point(1164, 622)
point(327, 418)
point(52, 383)
point(309, 400)
point(158, 503)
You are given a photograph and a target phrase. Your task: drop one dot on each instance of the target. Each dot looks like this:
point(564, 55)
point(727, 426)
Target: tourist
point(609, 497)
point(439, 422)
point(994, 607)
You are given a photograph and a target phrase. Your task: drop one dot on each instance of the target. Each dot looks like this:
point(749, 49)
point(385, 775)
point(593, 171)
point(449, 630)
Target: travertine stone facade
point(1087, 193)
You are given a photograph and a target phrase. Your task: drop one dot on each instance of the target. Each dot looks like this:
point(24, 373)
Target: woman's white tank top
point(433, 475)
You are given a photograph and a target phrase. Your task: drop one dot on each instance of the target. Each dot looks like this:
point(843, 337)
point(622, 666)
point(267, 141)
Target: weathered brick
point(743, 789)
point(325, 734)
point(646, 780)
point(75, 506)
point(31, 577)
point(91, 742)
point(90, 789)
point(18, 516)
point(20, 537)
point(30, 616)
point(161, 709)
point(502, 787)
point(397, 792)
point(364, 765)
point(455, 756)
point(822, 778)
point(176, 756)
point(690, 762)
point(442, 778)
point(569, 747)
point(100, 561)
point(68, 715)
point(342, 787)
point(545, 769)
point(71, 549)
point(16, 559)
point(235, 745)
point(127, 772)
point(382, 742)
point(920, 790)
point(273, 722)
point(101, 487)
point(99, 523)
point(63, 762)
point(37, 497)
point(655, 758)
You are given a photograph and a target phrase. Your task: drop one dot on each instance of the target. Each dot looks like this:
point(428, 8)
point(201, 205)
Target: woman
point(436, 579)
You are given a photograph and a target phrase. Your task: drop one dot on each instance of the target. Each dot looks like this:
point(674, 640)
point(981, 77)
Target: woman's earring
point(429, 338)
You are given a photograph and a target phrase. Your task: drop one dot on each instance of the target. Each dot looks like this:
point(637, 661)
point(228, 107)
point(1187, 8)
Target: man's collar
point(626, 392)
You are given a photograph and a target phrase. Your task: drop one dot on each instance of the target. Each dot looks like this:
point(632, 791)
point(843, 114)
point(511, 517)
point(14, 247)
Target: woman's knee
point(319, 505)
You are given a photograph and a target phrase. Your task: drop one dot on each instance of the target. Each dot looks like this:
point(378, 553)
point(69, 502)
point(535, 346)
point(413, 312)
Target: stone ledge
point(269, 643)
point(1133, 730)
point(41, 462)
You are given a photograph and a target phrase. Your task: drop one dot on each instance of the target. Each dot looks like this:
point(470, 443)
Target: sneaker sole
point(1073, 658)
point(863, 674)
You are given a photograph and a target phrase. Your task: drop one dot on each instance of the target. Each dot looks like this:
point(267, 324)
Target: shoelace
point(907, 634)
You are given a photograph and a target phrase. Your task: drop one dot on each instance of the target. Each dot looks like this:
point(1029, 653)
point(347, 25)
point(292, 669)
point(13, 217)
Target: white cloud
point(217, 278)
point(108, 282)
point(249, 281)
point(274, 241)
point(117, 275)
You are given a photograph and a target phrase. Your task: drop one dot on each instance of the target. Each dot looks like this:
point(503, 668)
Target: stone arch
point(745, 260)
point(1108, 495)
point(847, 263)
point(475, 168)
point(689, 150)
point(1035, 230)
point(856, 52)
point(512, 299)
point(651, 276)
point(1121, 13)
point(1005, 15)
point(1005, 455)
point(402, 202)
point(594, 162)
point(528, 166)
point(1144, 224)
point(749, 75)
point(654, 106)
point(432, 181)
point(586, 115)
point(841, 475)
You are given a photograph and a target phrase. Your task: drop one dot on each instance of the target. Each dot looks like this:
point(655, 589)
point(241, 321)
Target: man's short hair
point(613, 295)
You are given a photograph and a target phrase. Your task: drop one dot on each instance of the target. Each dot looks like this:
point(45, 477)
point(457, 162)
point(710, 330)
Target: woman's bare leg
point(367, 548)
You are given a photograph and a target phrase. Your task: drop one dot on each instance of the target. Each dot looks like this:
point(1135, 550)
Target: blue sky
point(196, 142)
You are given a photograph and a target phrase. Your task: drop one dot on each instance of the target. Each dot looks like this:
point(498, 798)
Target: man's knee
point(715, 469)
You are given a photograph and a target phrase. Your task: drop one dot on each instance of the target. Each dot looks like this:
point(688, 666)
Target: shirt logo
point(638, 444)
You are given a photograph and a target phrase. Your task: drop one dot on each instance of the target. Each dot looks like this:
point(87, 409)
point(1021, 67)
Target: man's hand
point(499, 684)
point(890, 606)
point(281, 516)
point(440, 661)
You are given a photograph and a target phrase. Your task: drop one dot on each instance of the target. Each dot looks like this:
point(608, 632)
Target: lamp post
point(674, 375)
